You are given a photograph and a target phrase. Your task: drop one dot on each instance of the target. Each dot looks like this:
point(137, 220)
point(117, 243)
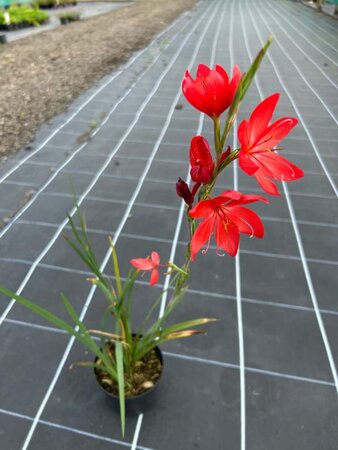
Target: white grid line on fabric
point(182, 243)
point(108, 175)
point(313, 33)
point(297, 233)
point(240, 324)
point(124, 219)
point(294, 43)
point(182, 205)
point(282, 375)
point(150, 180)
point(71, 429)
point(311, 15)
point(115, 150)
point(90, 98)
point(299, 115)
point(315, 93)
point(215, 295)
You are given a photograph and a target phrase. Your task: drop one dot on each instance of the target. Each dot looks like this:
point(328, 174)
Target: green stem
point(217, 138)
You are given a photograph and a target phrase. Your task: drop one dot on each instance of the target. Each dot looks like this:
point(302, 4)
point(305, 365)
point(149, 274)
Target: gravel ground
point(40, 75)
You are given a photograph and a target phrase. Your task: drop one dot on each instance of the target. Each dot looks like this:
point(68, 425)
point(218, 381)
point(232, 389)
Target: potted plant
point(69, 16)
point(128, 363)
point(17, 17)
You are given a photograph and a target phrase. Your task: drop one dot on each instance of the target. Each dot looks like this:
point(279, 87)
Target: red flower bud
point(202, 165)
point(184, 192)
point(211, 92)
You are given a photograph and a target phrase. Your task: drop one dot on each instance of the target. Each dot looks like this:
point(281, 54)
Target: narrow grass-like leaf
point(150, 312)
point(42, 312)
point(120, 380)
point(242, 90)
point(87, 364)
point(184, 325)
point(112, 336)
point(87, 339)
point(108, 293)
point(180, 335)
point(116, 268)
point(154, 332)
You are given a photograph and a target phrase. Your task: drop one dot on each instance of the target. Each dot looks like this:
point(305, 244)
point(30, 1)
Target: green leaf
point(116, 268)
point(87, 339)
point(150, 312)
point(154, 332)
point(184, 325)
point(242, 90)
point(82, 335)
point(107, 293)
point(120, 380)
point(42, 312)
point(248, 77)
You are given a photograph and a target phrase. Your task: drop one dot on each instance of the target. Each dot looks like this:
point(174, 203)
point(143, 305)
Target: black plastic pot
point(140, 403)
point(3, 39)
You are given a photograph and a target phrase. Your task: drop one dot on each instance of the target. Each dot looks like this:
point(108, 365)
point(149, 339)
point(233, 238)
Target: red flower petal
point(267, 185)
point(261, 116)
point(247, 221)
point(142, 263)
point(155, 257)
point(219, 69)
point(230, 194)
point(280, 168)
point(154, 277)
point(247, 164)
point(203, 71)
point(203, 209)
point(201, 236)
point(281, 128)
point(227, 237)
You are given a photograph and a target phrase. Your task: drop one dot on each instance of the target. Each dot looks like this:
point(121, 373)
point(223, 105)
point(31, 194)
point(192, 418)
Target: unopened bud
point(224, 155)
point(184, 192)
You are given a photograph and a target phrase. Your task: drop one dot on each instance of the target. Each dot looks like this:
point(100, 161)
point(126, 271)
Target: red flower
point(258, 140)
point(212, 92)
point(226, 218)
point(202, 165)
point(148, 264)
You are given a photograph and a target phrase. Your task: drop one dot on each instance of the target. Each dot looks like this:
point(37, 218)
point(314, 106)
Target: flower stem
point(217, 138)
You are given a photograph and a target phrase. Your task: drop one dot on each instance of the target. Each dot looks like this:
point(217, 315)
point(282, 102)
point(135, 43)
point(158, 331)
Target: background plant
point(24, 14)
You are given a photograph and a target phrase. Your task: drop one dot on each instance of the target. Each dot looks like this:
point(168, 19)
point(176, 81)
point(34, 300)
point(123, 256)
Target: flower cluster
point(225, 217)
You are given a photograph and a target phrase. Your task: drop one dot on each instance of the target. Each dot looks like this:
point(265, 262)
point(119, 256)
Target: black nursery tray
point(19, 26)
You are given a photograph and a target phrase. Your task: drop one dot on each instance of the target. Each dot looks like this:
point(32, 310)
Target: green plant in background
point(55, 3)
point(70, 16)
point(24, 14)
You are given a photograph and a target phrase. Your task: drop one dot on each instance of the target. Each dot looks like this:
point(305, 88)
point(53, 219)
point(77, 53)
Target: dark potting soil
point(146, 373)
